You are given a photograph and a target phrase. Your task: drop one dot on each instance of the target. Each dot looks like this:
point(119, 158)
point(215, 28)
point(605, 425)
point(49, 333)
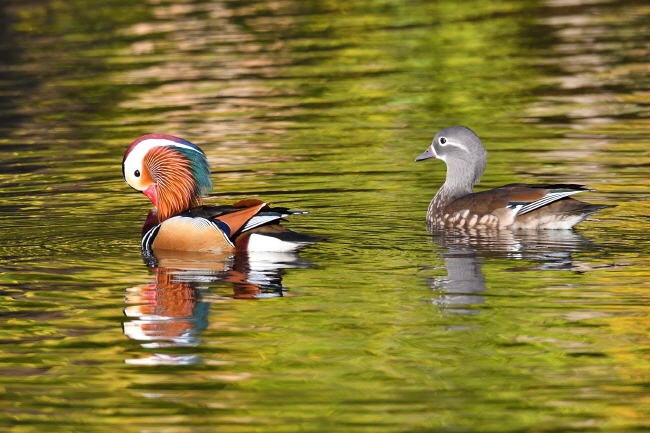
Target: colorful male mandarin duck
point(514, 206)
point(174, 174)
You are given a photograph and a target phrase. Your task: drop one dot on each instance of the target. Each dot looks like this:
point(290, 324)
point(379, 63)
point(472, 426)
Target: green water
point(323, 106)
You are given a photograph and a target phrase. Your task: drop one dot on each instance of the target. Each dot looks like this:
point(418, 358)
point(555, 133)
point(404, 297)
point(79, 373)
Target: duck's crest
point(179, 142)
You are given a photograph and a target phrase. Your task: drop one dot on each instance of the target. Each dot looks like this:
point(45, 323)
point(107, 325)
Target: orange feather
point(172, 173)
point(236, 220)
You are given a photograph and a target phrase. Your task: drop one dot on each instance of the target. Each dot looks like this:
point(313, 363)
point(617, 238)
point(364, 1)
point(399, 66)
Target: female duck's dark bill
point(425, 155)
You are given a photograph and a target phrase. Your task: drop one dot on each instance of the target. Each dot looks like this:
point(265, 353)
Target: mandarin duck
point(513, 206)
point(174, 174)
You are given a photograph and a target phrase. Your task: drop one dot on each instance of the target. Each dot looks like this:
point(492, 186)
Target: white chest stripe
point(148, 238)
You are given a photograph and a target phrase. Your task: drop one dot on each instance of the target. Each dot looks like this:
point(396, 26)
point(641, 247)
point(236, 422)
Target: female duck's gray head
point(461, 149)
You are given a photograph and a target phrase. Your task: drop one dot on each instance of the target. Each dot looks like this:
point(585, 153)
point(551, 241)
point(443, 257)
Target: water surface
point(323, 106)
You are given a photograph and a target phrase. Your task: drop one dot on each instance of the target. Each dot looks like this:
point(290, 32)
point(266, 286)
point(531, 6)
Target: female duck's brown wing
point(531, 197)
point(522, 197)
point(544, 206)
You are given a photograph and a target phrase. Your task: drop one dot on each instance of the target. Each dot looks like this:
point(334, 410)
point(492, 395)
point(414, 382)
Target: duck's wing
point(523, 206)
point(194, 229)
point(526, 198)
point(242, 216)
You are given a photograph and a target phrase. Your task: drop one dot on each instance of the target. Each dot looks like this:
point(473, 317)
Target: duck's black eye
point(442, 140)
point(137, 173)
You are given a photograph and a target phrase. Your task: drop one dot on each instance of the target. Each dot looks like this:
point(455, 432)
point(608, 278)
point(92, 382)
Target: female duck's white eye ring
point(442, 140)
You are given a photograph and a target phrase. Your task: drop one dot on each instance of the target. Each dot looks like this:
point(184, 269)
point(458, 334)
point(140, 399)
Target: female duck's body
point(513, 206)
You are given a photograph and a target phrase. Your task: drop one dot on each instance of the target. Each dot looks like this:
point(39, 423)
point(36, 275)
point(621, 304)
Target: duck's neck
point(447, 193)
point(459, 182)
point(175, 201)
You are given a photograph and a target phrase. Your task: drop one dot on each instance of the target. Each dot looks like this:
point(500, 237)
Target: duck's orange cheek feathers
point(152, 193)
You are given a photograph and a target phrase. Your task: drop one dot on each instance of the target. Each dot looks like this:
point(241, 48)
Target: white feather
point(260, 242)
point(259, 220)
point(548, 198)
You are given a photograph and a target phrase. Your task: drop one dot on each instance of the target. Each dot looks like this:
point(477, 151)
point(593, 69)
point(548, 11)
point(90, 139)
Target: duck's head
point(463, 152)
point(172, 172)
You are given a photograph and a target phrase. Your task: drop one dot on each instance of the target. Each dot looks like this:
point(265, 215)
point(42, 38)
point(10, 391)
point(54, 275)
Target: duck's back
point(514, 206)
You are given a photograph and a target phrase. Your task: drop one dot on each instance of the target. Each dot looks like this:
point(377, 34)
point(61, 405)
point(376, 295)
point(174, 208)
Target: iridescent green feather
point(200, 170)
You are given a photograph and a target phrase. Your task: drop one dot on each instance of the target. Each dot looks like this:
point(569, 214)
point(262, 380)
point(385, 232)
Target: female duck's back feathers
point(513, 206)
point(516, 206)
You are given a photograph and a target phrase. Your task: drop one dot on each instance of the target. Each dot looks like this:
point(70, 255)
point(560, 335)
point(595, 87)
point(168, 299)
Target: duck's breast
point(191, 234)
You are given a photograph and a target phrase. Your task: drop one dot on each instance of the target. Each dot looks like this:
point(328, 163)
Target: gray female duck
point(514, 206)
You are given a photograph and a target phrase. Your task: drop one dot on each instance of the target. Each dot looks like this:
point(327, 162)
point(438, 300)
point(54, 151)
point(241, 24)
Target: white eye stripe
point(452, 143)
point(155, 142)
point(138, 153)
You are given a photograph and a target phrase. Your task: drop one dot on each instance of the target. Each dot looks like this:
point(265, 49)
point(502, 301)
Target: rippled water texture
point(324, 106)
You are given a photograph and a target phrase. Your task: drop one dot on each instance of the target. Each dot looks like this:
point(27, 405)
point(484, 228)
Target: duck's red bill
point(152, 194)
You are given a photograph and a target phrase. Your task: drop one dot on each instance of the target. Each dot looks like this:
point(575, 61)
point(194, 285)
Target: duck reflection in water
point(173, 310)
point(464, 253)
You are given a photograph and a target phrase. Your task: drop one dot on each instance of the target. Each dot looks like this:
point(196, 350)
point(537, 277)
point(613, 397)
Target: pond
point(323, 106)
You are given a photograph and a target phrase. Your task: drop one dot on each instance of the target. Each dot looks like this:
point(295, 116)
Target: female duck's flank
point(174, 174)
point(513, 206)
